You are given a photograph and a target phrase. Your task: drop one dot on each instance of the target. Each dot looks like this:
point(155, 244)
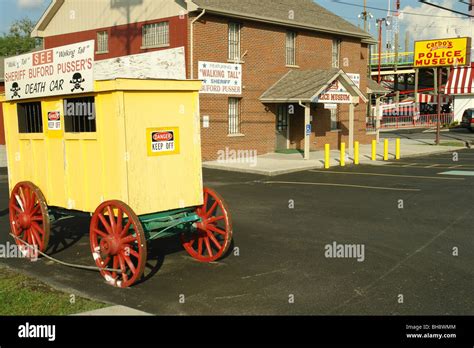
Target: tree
point(18, 39)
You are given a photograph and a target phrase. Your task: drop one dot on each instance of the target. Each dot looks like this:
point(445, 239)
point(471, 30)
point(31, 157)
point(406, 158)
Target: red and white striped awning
point(433, 99)
point(461, 81)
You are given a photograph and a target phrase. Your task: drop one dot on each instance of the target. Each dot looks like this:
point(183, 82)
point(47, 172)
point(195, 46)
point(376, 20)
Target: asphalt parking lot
point(408, 216)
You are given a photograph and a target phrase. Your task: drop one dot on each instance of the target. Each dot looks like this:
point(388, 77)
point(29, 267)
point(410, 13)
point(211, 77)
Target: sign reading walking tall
point(57, 71)
point(220, 78)
point(443, 52)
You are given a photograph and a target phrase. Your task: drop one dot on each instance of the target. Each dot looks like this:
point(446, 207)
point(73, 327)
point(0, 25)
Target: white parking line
point(339, 185)
point(390, 175)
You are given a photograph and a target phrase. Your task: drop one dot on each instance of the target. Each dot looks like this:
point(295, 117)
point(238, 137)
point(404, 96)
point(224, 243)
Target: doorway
point(282, 127)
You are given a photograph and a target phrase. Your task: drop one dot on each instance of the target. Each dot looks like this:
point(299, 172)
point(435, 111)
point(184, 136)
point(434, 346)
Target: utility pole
point(365, 15)
point(379, 23)
point(397, 39)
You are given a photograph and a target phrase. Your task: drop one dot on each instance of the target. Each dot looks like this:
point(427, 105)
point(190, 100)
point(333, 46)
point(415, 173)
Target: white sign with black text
point(220, 78)
point(57, 71)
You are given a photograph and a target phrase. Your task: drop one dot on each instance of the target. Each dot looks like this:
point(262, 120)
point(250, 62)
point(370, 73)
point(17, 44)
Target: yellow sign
point(443, 52)
point(162, 141)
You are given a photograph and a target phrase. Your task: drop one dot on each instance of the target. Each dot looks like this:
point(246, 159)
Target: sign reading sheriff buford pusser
point(57, 71)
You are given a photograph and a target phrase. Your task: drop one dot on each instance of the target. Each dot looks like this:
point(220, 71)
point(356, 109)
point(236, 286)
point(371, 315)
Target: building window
point(234, 116)
point(102, 42)
point(290, 48)
point(234, 42)
point(334, 121)
point(155, 35)
point(79, 115)
point(30, 118)
point(336, 53)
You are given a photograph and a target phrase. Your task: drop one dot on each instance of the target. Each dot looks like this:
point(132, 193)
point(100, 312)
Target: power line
point(404, 12)
point(426, 2)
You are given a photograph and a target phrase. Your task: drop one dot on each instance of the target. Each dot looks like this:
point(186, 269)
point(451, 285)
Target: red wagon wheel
point(29, 217)
point(118, 242)
point(214, 233)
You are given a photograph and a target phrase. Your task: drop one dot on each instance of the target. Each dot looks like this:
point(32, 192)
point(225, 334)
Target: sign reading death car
point(57, 71)
point(163, 141)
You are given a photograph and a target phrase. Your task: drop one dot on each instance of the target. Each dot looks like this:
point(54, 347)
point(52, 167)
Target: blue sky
point(424, 22)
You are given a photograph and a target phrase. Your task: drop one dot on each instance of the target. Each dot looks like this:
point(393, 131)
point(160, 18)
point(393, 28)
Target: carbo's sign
point(220, 78)
point(443, 52)
point(57, 71)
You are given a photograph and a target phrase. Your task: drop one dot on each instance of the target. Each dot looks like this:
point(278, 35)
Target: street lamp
point(379, 24)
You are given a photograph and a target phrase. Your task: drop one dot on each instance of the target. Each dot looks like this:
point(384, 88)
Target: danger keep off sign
point(58, 71)
point(162, 141)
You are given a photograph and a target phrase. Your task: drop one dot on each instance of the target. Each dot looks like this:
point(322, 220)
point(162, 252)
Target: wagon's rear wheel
point(29, 218)
point(214, 233)
point(118, 242)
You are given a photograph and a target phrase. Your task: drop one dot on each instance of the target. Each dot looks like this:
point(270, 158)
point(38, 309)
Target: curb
point(114, 311)
point(278, 172)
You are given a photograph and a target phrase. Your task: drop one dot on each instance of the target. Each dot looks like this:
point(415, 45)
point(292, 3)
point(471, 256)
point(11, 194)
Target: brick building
point(284, 54)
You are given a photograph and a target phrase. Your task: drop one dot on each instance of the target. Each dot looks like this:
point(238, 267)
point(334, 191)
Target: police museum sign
point(220, 78)
point(337, 94)
point(58, 71)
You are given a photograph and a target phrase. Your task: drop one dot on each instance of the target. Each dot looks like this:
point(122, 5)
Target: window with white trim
point(334, 121)
point(234, 42)
point(155, 35)
point(102, 42)
point(336, 52)
point(290, 48)
point(234, 116)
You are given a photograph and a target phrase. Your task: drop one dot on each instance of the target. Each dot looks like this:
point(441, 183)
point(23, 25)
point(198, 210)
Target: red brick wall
point(264, 65)
point(125, 39)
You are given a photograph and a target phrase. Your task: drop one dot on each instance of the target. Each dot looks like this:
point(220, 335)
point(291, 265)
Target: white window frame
point(234, 116)
point(336, 53)
point(234, 30)
point(156, 35)
point(102, 41)
point(334, 119)
point(291, 48)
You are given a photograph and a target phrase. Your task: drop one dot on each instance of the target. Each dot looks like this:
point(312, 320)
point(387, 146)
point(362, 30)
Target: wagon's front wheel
point(29, 218)
point(118, 243)
point(213, 235)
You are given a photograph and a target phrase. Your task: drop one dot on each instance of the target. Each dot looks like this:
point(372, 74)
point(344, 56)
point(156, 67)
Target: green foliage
point(18, 40)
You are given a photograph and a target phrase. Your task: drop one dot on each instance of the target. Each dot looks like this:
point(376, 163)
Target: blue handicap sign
point(308, 129)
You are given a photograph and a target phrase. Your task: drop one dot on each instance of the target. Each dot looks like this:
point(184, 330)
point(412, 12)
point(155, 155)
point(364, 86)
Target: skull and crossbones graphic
point(15, 88)
point(77, 79)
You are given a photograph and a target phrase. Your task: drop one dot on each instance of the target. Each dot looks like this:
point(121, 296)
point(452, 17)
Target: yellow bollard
point(327, 153)
point(343, 154)
point(356, 153)
point(385, 150)
point(397, 149)
point(374, 150)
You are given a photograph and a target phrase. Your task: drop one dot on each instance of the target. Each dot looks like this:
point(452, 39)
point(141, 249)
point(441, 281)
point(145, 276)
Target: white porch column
point(307, 126)
point(351, 129)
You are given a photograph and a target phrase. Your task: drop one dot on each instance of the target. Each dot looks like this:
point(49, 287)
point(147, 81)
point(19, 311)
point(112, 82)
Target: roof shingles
point(303, 13)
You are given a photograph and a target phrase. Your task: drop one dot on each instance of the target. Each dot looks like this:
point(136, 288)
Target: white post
point(351, 129)
point(307, 133)
point(378, 117)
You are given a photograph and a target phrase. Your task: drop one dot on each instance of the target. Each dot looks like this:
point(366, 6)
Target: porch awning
point(461, 81)
point(306, 86)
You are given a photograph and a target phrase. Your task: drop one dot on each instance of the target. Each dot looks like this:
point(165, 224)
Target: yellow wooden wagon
point(129, 154)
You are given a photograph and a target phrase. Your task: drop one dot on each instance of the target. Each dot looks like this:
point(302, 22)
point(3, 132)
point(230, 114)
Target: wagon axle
point(118, 237)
